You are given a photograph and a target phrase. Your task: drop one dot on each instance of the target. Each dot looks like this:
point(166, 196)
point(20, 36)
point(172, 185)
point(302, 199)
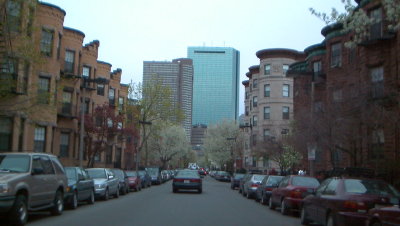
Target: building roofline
point(75, 31)
point(103, 62)
point(279, 52)
point(53, 6)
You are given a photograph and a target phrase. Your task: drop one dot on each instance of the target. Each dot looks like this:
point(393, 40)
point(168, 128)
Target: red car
point(346, 201)
point(134, 182)
point(384, 216)
point(291, 191)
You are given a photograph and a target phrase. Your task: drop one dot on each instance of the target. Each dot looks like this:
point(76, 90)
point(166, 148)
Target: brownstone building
point(51, 74)
point(346, 102)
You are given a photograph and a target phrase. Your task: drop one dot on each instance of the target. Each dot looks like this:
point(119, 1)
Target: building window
point(5, 134)
point(267, 69)
point(59, 46)
point(43, 90)
point(255, 83)
point(255, 119)
point(285, 68)
point(66, 103)
point(378, 143)
point(13, 15)
point(64, 144)
point(337, 95)
point(100, 89)
point(86, 71)
point(377, 82)
point(317, 69)
point(40, 139)
point(285, 132)
point(24, 81)
point(286, 90)
point(267, 90)
point(376, 24)
point(254, 139)
point(109, 153)
point(111, 96)
point(336, 55)
point(9, 66)
point(120, 104)
point(285, 112)
point(266, 134)
point(247, 95)
point(318, 107)
point(267, 112)
point(69, 61)
point(86, 106)
point(255, 101)
point(46, 42)
point(247, 111)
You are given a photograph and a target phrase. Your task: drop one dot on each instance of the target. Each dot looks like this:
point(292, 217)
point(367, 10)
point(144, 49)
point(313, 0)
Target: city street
point(217, 205)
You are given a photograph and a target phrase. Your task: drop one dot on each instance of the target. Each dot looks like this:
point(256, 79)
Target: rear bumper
point(293, 203)
point(351, 218)
point(180, 185)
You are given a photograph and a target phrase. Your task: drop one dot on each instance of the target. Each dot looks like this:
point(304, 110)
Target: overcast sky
point(133, 31)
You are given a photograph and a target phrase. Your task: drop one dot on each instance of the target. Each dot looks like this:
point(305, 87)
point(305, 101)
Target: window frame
point(267, 72)
point(69, 66)
point(267, 90)
point(46, 42)
point(286, 93)
point(40, 139)
point(285, 115)
point(267, 115)
point(336, 54)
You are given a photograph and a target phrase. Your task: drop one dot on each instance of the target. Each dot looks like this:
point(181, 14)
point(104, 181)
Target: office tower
point(215, 84)
point(178, 76)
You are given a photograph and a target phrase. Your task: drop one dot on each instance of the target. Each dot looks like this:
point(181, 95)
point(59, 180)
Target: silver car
point(106, 184)
point(251, 185)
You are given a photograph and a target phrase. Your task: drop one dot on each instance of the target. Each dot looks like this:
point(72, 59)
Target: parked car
point(346, 201)
point(123, 181)
point(223, 176)
point(242, 182)
point(30, 181)
point(235, 180)
point(105, 182)
point(187, 179)
point(251, 185)
point(145, 178)
point(384, 216)
point(291, 191)
point(202, 172)
point(155, 175)
point(264, 191)
point(80, 187)
point(134, 181)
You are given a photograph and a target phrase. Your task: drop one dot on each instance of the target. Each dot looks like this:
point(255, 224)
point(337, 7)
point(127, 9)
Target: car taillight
point(268, 189)
point(132, 179)
point(178, 180)
point(296, 194)
point(355, 205)
point(255, 185)
point(195, 180)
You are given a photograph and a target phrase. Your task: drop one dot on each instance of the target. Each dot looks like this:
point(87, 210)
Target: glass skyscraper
point(215, 84)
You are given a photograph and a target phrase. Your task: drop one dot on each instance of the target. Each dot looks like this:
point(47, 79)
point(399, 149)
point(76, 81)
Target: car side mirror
point(110, 177)
point(37, 171)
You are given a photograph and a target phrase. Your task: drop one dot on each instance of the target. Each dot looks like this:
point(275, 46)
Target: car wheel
point(174, 190)
point(232, 187)
point(91, 198)
point(74, 202)
point(240, 191)
point(271, 204)
point(58, 204)
point(262, 201)
point(330, 221)
point(200, 190)
point(140, 187)
point(123, 191)
point(284, 208)
point(117, 193)
point(106, 195)
point(248, 195)
point(19, 211)
point(303, 217)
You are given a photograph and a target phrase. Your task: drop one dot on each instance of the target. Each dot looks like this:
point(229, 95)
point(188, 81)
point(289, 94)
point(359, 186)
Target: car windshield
point(131, 173)
point(370, 187)
point(142, 173)
point(305, 181)
point(14, 163)
point(97, 173)
point(71, 175)
point(273, 180)
point(118, 173)
point(239, 176)
point(153, 171)
point(187, 174)
point(258, 177)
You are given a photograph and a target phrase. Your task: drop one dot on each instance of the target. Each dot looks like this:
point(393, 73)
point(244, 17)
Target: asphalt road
point(218, 205)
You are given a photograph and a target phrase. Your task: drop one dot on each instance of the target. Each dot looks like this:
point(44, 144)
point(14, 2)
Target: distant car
point(123, 181)
point(264, 191)
point(105, 182)
point(235, 180)
point(145, 178)
point(223, 176)
point(202, 172)
point(251, 185)
point(384, 216)
point(346, 201)
point(155, 174)
point(243, 181)
point(80, 187)
point(30, 181)
point(291, 191)
point(187, 179)
point(134, 181)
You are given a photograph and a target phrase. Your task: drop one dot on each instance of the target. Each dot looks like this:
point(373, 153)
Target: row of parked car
point(340, 200)
point(38, 181)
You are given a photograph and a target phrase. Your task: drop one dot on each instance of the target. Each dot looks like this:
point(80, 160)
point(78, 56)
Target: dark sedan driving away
point(187, 179)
